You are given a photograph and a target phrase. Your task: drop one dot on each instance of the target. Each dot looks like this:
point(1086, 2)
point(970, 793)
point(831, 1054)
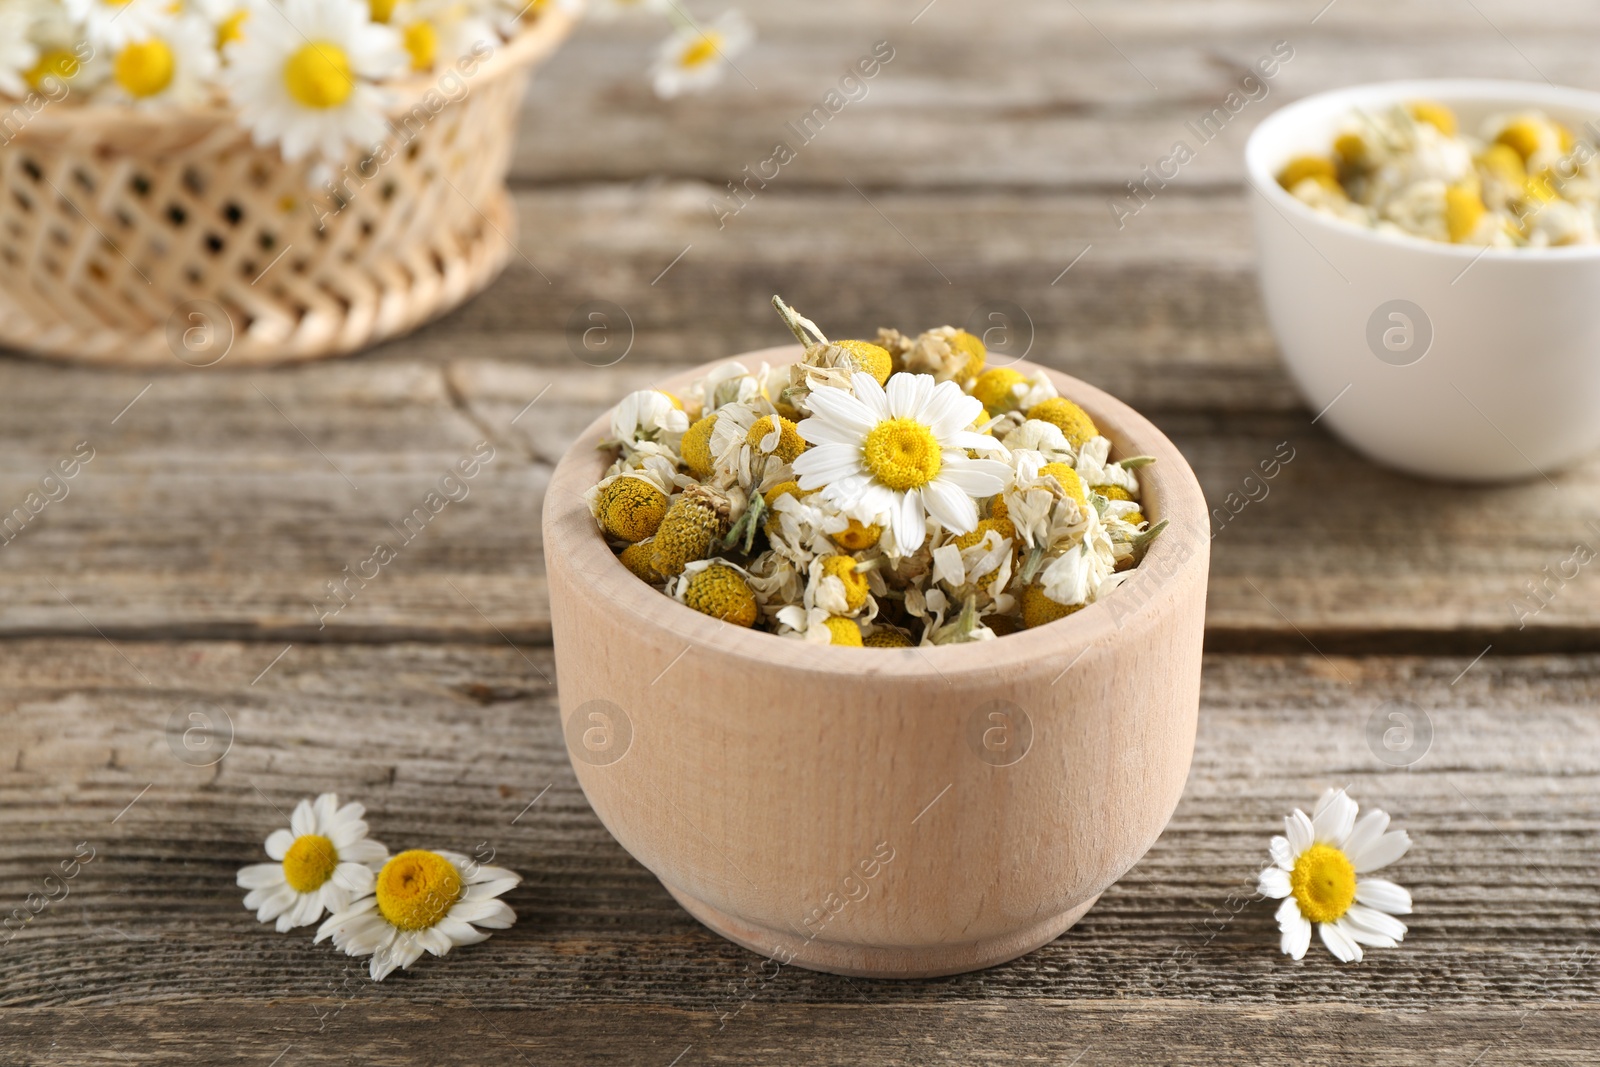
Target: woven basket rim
point(533, 43)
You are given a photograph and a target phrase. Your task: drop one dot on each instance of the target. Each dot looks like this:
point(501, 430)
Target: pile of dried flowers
point(886, 494)
point(1525, 180)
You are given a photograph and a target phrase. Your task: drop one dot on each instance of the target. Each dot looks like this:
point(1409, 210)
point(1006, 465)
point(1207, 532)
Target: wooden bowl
point(883, 812)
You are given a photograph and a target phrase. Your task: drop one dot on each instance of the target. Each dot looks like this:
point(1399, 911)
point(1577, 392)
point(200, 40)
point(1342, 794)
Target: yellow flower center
point(422, 42)
point(843, 631)
point(1323, 882)
point(309, 863)
point(789, 445)
point(145, 68)
point(382, 10)
point(319, 75)
point(722, 593)
point(705, 48)
point(417, 888)
point(902, 453)
point(232, 28)
point(854, 582)
point(856, 536)
point(56, 63)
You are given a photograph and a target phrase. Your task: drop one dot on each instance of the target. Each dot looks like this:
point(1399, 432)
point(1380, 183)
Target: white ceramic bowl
point(1442, 360)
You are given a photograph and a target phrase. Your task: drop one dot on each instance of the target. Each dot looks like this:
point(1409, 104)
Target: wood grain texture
point(152, 948)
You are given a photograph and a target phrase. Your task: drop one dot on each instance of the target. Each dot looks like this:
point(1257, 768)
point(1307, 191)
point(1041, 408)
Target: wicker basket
point(133, 238)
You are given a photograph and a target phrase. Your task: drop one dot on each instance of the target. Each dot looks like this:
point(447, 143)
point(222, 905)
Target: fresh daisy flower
point(18, 53)
point(322, 862)
point(173, 65)
point(437, 33)
point(227, 18)
point(422, 901)
point(897, 456)
point(114, 23)
point(692, 59)
point(303, 76)
point(1316, 873)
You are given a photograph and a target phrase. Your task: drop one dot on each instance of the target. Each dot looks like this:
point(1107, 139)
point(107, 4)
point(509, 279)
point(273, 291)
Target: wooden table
point(182, 571)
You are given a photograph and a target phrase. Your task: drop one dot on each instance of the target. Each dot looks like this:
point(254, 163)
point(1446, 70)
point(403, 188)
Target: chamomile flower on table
point(320, 864)
point(174, 64)
point(693, 59)
point(898, 455)
point(1319, 870)
point(422, 901)
point(18, 54)
point(304, 76)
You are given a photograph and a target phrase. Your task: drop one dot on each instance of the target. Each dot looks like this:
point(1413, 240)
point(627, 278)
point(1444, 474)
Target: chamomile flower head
point(721, 590)
point(631, 509)
point(693, 58)
point(422, 901)
point(321, 863)
point(304, 76)
point(1318, 869)
point(897, 455)
point(437, 33)
point(172, 64)
point(647, 415)
point(110, 24)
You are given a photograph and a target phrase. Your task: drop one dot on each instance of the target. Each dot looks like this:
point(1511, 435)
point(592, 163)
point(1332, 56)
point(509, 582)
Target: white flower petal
point(495, 914)
point(460, 933)
point(1339, 943)
point(840, 409)
point(489, 890)
point(260, 875)
point(324, 808)
point(1281, 853)
point(822, 465)
point(303, 821)
point(1295, 930)
point(1274, 883)
point(354, 877)
point(278, 843)
point(1335, 816)
point(1382, 852)
point(1373, 921)
point(1297, 828)
point(953, 509)
point(870, 393)
point(1367, 829)
point(1384, 895)
point(908, 522)
point(907, 395)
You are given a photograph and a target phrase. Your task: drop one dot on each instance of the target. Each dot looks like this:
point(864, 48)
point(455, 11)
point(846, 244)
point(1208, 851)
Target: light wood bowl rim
point(572, 541)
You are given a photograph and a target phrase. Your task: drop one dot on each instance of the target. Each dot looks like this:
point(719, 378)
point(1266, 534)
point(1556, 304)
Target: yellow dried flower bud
point(1073, 422)
point(1438, 116)
point(1505, 163)
point(1521, 135)
point(637, 558)
point(886, 637)
point(687, 533)
point(993, 388)
point(1318, 169)
point(721, 592)
point(855, 583)
point(1463, 208)
point(1135, 517)
point(857, 536)
point(843, 631)
point(790, 443)
point(1038, 609)
point(1113, 492)
point(874, 359)
point(696, 447)
point(1351, 149)
point(630, 509)
point(1070, 482)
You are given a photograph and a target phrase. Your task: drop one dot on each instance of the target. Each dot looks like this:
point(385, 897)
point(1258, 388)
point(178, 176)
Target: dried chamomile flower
point(631, 509)
point(1073, 422)
point(689, 530)
point(720, 590)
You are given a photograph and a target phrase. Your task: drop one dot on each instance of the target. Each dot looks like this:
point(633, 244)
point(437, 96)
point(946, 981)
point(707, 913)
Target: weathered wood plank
point(453, 746)
point(1037, 94)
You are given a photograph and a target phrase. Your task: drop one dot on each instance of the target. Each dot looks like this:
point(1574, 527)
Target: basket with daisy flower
point(911, 600)
point(261, 179)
